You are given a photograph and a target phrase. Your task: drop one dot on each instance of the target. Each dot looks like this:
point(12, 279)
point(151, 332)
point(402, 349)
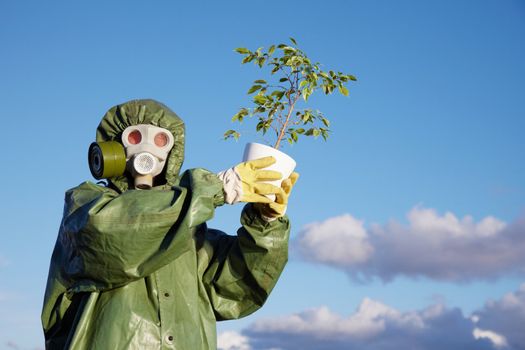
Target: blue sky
point(420, 186)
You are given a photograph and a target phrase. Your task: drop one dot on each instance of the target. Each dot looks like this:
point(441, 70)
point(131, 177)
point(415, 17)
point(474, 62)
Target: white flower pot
point(284, 164)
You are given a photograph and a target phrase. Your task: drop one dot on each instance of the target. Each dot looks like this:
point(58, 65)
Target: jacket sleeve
point(239, 272)
point(108, 239)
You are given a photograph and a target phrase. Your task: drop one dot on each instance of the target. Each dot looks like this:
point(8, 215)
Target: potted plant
point(280, 101)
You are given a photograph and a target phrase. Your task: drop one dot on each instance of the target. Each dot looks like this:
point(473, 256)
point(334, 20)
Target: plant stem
point(285, 124)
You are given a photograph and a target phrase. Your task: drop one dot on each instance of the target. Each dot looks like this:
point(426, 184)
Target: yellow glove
point(277, 209)
point(246, 181)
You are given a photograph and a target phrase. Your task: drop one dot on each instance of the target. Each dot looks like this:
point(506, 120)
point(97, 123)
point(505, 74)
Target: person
point(135, 265)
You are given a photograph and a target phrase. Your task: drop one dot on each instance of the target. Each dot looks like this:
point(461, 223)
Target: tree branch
point(285, 124)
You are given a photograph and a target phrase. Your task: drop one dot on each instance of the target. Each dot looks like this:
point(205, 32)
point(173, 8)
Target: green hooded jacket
point(134, 269)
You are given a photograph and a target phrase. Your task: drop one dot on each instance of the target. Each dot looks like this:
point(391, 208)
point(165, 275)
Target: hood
point(150, 112)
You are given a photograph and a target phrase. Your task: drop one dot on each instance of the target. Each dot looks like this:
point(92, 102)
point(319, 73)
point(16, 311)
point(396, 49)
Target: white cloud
point(442, 247)
point(506, 317)
point(339, 241)
point(498, 340)
point(373, 326)
point(376, 326)
point(231, 340)
point(368, 321)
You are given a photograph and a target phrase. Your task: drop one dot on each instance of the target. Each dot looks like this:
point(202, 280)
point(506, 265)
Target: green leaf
point(325, 121)
point(267, 125)
point(293, 41)
point(260, 99)
point(307, 117)
point(271, 50)
point(282, 80)
point(324, 133)
point(247, 59)
point(242, 50)
point(240, 115)
point(278, 94)
point(231, 133)
point(306, 93)
point(260, 61)
point(254, 88)
point(260, 81)
point(300, 131)
point(351, 77)
point(343, 90)
point(261, 125)
point(302, 84)
point(288, 50)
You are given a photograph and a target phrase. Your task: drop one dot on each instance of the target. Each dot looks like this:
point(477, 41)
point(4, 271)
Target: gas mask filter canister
point(106, 159)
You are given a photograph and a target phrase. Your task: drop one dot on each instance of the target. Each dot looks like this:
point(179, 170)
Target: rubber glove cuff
point(232, 185)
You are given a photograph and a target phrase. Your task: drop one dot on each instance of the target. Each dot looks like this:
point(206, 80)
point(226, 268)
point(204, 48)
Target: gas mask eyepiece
point(145, 151)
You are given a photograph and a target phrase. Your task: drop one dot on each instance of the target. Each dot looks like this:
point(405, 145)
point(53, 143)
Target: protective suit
point(139, 269)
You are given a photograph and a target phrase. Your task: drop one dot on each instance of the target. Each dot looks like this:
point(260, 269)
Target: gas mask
point(144, 154)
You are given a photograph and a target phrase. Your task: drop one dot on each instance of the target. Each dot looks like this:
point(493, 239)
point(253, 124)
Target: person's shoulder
point(91, 187)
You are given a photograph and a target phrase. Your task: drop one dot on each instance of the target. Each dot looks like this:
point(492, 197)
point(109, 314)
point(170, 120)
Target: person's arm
point(240, 271)
point(108, 239)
